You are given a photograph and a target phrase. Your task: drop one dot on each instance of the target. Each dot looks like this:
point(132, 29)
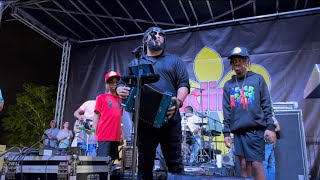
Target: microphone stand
point(201, 159)
point(138, 54)
point(140, 77)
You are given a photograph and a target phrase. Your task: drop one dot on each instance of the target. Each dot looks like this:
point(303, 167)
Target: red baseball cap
point(110, 75)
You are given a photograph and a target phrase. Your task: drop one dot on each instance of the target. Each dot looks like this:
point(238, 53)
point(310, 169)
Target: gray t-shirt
point(51, 143)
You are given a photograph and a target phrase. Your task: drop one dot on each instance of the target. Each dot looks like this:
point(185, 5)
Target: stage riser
point(161, 175)
point(56, 167)
point(51, 176)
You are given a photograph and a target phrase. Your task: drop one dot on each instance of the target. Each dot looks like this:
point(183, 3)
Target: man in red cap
point(107, 118)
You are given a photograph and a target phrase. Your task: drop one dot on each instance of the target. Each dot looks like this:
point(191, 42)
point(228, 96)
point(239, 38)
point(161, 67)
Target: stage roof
point(100, 20)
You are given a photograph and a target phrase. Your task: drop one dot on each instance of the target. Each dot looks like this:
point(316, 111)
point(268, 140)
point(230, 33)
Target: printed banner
point(283, 51)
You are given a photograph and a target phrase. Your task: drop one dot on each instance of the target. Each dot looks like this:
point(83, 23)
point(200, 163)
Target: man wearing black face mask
point(174, 78)
point(152, 39)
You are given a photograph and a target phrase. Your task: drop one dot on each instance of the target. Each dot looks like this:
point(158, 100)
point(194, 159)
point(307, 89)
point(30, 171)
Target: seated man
point(194, 127)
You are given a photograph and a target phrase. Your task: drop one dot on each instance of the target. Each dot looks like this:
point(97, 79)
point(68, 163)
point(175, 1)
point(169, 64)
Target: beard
point(155, 47)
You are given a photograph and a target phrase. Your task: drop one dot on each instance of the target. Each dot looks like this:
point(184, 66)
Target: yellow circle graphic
point(208, 65)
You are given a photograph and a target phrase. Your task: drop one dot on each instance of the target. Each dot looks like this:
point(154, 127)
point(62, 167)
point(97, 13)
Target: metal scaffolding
point(63, 83)
point(62, 22)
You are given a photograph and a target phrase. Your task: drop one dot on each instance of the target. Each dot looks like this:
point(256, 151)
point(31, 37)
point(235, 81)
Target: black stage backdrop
point(284, 51)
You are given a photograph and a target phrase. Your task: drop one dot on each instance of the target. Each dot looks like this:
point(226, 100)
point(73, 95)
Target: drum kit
point(197, 145)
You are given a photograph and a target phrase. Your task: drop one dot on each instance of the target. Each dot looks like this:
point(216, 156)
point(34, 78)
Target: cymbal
point(199, 123)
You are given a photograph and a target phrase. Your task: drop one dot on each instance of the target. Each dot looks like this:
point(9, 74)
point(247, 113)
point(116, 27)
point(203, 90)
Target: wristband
point(181, 103)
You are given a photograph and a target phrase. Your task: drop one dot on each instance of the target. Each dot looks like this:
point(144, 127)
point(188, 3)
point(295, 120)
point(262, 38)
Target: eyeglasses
point(153, 33)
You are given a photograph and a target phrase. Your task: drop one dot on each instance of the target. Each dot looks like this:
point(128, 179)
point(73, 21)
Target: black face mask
point(155, 47)
point(149, 39)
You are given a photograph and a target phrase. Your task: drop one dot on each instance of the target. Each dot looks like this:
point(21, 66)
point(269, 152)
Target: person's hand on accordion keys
point(172, 110)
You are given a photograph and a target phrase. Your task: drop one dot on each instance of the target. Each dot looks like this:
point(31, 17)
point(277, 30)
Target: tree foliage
point(30, 116)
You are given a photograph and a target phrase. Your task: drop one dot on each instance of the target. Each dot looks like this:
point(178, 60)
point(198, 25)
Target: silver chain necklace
point(245, 76)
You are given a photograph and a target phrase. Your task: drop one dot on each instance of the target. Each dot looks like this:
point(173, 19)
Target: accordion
point(154, 105)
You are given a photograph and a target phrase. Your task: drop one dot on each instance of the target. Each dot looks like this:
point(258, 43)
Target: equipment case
point(56, 167)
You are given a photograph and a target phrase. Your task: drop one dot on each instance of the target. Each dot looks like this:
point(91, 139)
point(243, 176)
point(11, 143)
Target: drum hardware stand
point(185, 148)
point(210, 141)
point(215, 137)
point(201, 159)
point(139, 79)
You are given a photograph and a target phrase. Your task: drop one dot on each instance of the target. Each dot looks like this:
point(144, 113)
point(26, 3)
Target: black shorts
point(250, 145)
point(108, 148)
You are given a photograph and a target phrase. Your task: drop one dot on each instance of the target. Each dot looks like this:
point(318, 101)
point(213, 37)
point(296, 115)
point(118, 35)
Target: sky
point(25, 56)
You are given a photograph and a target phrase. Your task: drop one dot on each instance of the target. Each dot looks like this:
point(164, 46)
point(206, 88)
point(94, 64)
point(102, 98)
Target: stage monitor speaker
point(203, 177)
point(290, 151)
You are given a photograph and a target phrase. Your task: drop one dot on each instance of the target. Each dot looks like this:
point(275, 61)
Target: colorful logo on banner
point(207, 90)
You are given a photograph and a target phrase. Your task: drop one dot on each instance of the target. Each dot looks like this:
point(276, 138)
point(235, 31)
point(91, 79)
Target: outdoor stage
point(94, 168)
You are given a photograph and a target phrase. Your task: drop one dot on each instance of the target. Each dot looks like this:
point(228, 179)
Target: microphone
point(138, 52)
point(153, 37)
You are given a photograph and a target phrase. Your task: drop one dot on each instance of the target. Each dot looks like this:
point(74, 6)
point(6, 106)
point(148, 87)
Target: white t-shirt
point(88, 108)
point(191, 122)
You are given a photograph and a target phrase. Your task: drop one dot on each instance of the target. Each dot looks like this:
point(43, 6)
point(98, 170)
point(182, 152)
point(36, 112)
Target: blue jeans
point(269, 164)
point(196, 148)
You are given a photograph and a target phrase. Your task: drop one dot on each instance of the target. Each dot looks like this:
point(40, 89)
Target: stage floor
point(200, 171)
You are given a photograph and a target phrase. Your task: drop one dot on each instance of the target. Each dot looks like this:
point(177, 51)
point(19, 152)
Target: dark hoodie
point(246, 104)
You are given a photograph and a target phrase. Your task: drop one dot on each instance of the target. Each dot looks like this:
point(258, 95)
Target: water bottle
point(92, 145)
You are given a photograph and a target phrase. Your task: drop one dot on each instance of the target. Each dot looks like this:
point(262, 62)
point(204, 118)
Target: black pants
point(169, 137)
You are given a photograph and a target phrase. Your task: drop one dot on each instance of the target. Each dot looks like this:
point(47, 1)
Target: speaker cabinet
point(290, 151)
point(199, 177)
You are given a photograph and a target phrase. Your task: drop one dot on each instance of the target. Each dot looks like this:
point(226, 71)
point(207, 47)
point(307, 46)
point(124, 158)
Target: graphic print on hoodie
point(241, 97)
